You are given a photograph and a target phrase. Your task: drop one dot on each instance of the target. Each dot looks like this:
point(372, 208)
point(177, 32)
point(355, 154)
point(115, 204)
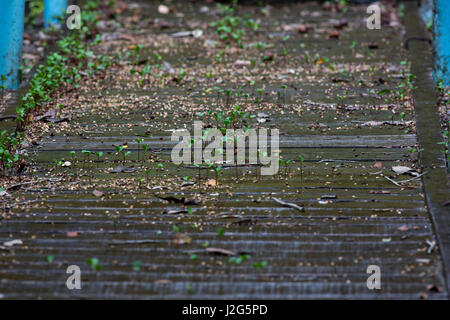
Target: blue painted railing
point(12, 14)
point(441, 40)
point(52, 10)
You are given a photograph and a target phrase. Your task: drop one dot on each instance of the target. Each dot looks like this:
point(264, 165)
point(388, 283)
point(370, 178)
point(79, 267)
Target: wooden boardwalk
point(354, 216)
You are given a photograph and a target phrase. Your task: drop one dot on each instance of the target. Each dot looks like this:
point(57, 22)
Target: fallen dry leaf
point(120, 169)
point(176, 211)
point(182, 238)
point(401, 169)
point(220, 251)
point(288, 204)
point(334, 34)
point(241, 63)
point(211, 183)
point(163, 281)
point(162, 9)
point(378, 165)
point(72, 234)
point(12, 243)
point(302, 28)
point(97, 193)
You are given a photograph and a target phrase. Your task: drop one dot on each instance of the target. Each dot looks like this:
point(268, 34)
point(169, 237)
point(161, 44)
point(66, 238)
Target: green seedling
point(99, 154)
point(217, 171)
point(86, 154)
point(402, 116)
point(145, 149)
point(137, 266)
point(220, 231)
point(119, 150)
point(94, 264)
point(2, 86)
point(141, 180)
point(181, 75)
point(260, 265)
point(189, 288)
point(194, 256)
point(301, 158)
point(125, 154)
point(139, 141)
point(72, 156)
point(58, 163)
point(240, 259)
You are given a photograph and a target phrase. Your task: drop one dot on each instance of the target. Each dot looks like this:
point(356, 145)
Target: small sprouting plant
point(145, 149)
point(194, 256)
point(2, 86)
point(189, 288)
point(228, 93)
point(137, 266)
point(414, 150)
point(260, 265)
point(94, 264)
point(301, 159)
point(284, 40)
point(9, 155)
point(283, 87)
point(259, 98)
point(217, 171)
point(140, 180)
point(86, 154)
point(220, 231)
point(139, 141)
point(182, 74)
point(240, 259)
point(58, 163)
point(121, 151)
point(99, 154)
point(145, 73)
point(147, 173)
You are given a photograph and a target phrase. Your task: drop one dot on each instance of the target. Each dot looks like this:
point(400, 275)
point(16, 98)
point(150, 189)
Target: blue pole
point(53, 9)
point(11, 35)
point(441, 25)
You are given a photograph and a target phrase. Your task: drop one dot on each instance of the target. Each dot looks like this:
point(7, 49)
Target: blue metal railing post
point(12, 15)
point(441, 34)
point(53, 9)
